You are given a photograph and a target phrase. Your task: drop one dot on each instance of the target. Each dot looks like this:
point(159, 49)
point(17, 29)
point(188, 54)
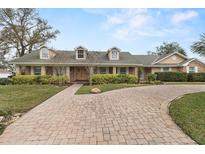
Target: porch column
point(43, 70)
point(18, 72)
point(68, 72)
point(32, 70)
point(54, 71)
point(136, 71)
point(90, 75)
point(114, 70)
point(91, 70)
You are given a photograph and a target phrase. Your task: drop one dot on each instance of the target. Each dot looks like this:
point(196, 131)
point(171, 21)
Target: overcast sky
point(133, 30)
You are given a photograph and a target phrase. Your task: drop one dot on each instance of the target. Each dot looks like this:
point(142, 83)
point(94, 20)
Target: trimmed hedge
point(113, 78)
point(5, 81)
point(196, 77)
point(44, 79)
point(152, 77)
point(180, 77)
point(172, 76)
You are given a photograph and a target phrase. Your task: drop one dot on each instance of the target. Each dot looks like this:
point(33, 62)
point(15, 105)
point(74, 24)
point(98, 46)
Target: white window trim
point(118, 70)
point(107, 70)
point(162, 69)
point(195, 69)
point(41, 53)
point(111, 57)
point(84, 55)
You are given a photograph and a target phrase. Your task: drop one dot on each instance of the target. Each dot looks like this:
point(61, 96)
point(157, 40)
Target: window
point(37, 70)
point(102, 70)
point(44, 53)
point(122, 70)
point(114, 55)
point(165, 69)
point(80, 54)
point(192, 70)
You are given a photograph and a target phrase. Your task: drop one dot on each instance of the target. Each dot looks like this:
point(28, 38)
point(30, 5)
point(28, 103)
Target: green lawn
point(21, 98)
point(104, 87)
point(188, 113)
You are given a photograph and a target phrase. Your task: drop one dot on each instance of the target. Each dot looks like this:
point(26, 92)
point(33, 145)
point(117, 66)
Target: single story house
point(80, 63)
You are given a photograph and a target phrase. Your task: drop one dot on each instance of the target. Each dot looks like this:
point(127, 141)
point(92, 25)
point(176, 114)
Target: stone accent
point(43, 70)
point(18, 72)
point(114, 70)
point(136, 71)
point(68, 72)
point(95, 90)
point(32, 70)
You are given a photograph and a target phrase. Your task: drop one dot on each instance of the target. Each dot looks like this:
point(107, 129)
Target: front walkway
point(125, 116)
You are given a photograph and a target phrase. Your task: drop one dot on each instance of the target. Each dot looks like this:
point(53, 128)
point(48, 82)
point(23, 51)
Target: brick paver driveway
point(125, 116)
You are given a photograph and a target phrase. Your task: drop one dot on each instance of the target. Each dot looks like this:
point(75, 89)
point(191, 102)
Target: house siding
point(201, 67)
point(170, 60)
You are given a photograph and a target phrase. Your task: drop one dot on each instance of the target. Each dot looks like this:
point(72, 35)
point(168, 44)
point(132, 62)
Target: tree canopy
point(167, 48)
point(23, 30)
point(199, 46)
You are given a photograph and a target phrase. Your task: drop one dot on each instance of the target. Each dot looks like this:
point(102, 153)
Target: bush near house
point(5, 81)
point(113, 78)
point(172, 76)
point(152, 77)
point(44, 79)
point(180, 77)
point(196, 77)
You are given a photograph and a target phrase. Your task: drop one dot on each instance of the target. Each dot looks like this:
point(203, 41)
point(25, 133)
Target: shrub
point(172, 76)
point(113, 78)
point(44, 79)
point(152, 77)
point(58, 80)
point(196, 77)
point(5, 81)
point(5, 113)
point(23, 79)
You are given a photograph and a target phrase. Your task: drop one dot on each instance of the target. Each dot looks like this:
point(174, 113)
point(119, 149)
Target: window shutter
point(196, 69)
point(187, 69)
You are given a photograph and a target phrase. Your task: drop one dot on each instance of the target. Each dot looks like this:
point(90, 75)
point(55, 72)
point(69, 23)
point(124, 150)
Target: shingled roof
point(68, 57)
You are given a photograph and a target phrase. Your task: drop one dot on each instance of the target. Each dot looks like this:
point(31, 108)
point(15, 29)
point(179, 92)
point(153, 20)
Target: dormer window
point(44, 53)
point(114, 53)
point(80, 53)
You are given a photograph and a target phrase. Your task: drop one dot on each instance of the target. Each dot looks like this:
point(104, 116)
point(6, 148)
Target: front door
point(81, 74)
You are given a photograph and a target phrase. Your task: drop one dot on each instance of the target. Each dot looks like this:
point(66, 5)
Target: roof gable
point(166, 56)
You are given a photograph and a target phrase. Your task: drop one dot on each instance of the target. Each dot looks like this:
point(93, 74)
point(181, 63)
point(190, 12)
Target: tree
point(151, 53)
point(199, 46)
point(167, 48)
point(22, 31)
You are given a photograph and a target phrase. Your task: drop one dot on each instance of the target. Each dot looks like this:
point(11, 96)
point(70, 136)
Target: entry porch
point(75, 73)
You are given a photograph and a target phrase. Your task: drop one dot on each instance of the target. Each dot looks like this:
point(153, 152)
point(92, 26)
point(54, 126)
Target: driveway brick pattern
point(126, 116)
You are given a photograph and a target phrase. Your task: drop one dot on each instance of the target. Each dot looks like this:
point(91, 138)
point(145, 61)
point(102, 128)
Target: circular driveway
point(126, 116)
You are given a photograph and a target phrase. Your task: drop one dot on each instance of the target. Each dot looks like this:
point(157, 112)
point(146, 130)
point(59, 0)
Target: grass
point(21, 98)
point(188, 113)
point(104, 87)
